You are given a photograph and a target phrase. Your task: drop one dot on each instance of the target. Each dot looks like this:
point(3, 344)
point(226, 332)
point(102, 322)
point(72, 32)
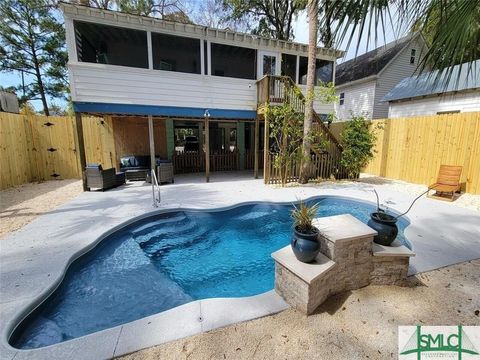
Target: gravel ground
point(361, 324)
point(20, 205)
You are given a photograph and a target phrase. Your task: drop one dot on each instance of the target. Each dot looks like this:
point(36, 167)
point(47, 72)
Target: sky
point(392, 32)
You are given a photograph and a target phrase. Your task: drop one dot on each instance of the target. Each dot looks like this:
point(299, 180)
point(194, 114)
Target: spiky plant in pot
point(304, 241)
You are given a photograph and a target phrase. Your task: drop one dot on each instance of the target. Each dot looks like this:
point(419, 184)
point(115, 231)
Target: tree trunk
point(312, 9)
point(41, 89)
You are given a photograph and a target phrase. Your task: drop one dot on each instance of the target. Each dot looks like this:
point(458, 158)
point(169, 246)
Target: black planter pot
point(386, 227)
point(305, 246)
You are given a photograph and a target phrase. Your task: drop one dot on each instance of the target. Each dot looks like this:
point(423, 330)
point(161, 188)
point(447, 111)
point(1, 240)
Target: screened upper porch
point(111, 45)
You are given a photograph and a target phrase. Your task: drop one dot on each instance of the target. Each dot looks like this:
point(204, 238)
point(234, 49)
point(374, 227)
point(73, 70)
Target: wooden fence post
point(266, 146)
point(257, 134)
point(80, 146)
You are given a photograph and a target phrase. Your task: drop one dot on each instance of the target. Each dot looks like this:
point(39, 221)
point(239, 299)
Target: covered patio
point(233, 141)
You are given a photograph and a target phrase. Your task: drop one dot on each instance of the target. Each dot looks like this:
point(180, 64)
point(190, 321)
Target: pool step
point(168, 218)
point(167, 230)
point(162, 243)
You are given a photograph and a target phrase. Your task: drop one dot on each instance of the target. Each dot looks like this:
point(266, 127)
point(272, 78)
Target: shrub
point(358, 142)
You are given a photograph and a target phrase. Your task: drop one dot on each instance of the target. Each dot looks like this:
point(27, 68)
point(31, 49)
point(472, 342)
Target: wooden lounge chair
point(448, 182)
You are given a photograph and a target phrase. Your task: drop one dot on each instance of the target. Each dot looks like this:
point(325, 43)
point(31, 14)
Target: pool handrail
point(155, 186)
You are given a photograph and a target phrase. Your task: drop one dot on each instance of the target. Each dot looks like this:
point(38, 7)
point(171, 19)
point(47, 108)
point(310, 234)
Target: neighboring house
point(9, 102)
point(362, 82)
point(433, 93)
point(123, 65)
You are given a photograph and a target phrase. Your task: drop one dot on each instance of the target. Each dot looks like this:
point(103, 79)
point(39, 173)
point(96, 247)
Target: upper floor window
point(412, 56)
point(176, 53)
point(233, 61)
point(111, 45)
point(323, 71)
point(289, 66)
point(342, 98)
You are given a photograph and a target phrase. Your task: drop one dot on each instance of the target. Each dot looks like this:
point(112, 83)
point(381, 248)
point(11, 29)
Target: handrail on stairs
point(287, 81)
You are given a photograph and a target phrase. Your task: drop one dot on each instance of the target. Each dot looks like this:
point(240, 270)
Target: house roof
point(462, 77)
point(370, 63)
point(150, 23)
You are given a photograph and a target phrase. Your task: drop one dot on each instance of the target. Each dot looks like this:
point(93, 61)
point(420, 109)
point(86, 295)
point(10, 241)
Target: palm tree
point(453, 28)
point(312, 9)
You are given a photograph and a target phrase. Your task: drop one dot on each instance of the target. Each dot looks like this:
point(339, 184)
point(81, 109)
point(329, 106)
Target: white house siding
point(398, 69)
point(125, 85)
point(464, 102)
point(358, 100)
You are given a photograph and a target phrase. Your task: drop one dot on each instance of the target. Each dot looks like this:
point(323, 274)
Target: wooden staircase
point(276, 90)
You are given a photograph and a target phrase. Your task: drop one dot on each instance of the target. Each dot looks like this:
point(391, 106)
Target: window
point(289, 66)
point(342, 98)
point(269, 64)
point(111, 45)
point(323, 71)
point(233, 61)
point(302, 70)
point(205, 57)
point(412, 56)
point(176, 53)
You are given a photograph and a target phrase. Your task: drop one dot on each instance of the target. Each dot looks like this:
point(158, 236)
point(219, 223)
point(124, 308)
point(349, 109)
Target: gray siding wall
point(358, 100)
point(397, 70)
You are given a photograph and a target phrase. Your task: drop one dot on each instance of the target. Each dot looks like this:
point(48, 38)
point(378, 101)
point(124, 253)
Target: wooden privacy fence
point(412, 149)
point(38, 148)
point(322, 166)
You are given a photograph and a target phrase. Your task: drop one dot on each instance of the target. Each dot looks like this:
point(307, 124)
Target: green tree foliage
point(358, 141)
point(102, 4)
point(287, 132)
point(438, 16)
point(173, 10)
point(32, 41)
point(453, 26)
point(273, 19)
point(213, 14)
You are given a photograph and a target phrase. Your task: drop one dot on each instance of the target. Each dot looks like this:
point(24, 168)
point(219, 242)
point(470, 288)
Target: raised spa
point(167, 260)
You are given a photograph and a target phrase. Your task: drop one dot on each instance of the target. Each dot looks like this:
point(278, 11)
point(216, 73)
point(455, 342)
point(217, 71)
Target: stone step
point(396, 249)
point(306, 272)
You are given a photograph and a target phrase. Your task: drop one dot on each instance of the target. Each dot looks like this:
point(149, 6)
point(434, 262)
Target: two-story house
point(362, 82)
point(133, 68)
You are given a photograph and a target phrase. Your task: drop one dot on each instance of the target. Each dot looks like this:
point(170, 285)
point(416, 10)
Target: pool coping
point(101, 342)
point(267, 303)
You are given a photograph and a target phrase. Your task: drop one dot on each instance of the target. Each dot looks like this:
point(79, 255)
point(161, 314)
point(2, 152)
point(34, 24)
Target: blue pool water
point(168, 260)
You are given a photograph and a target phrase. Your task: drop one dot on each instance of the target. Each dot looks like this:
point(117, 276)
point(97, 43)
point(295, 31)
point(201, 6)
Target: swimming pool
point(167, 260)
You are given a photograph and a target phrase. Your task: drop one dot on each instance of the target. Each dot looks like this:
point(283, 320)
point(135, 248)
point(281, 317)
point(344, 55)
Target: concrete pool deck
point(34, 259)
